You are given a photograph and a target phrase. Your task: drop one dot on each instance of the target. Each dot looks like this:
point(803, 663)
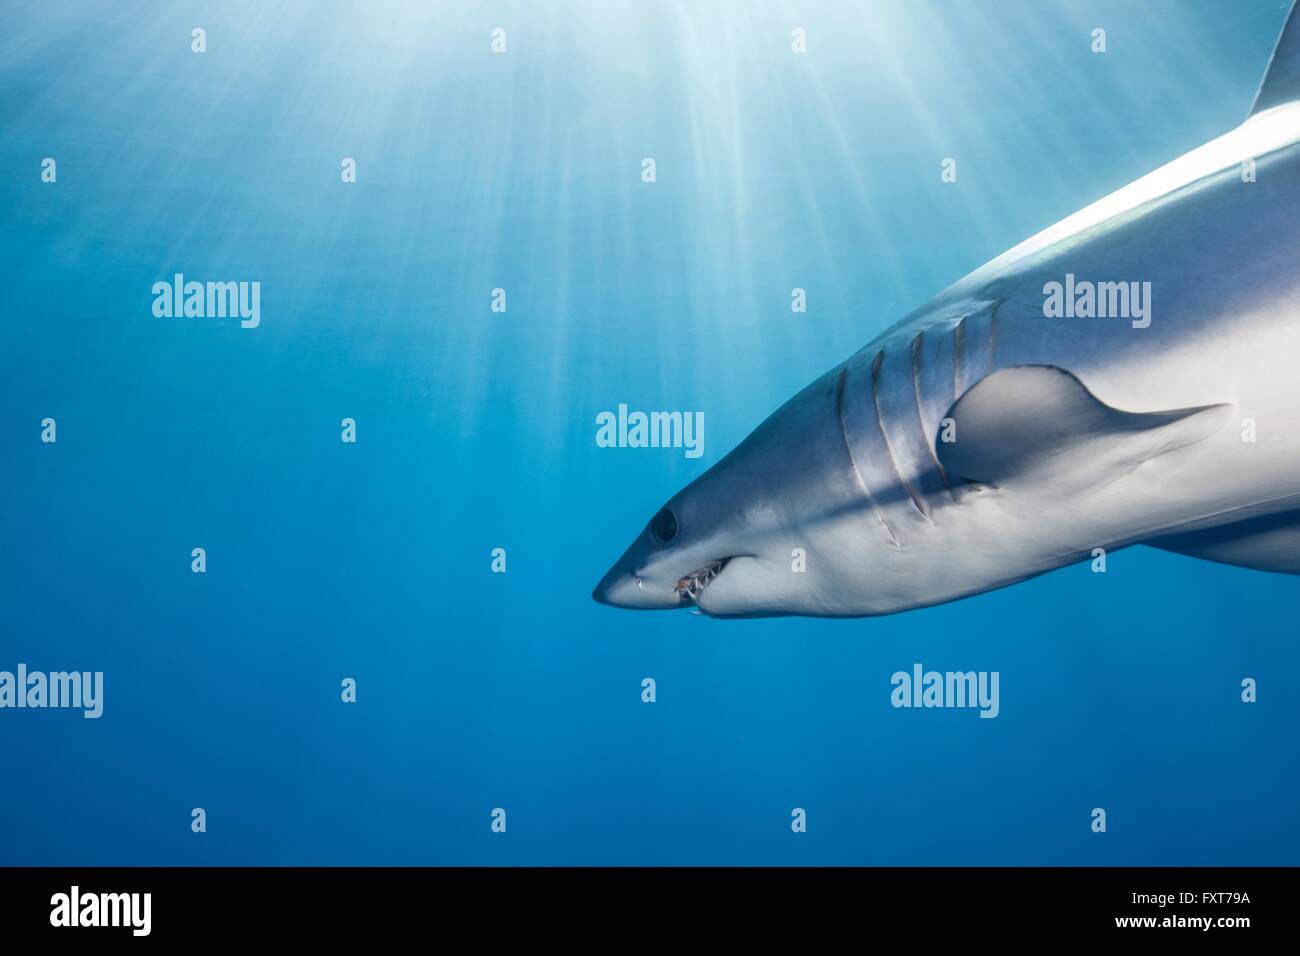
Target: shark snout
point(623, 587)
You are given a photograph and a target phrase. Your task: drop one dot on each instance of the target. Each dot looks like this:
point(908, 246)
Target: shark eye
point(663, 526)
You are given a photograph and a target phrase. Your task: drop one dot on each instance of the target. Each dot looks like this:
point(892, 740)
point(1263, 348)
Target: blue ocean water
point(476, 430)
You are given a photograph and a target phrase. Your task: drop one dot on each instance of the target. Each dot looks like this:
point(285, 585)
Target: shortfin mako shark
point(1129, 375)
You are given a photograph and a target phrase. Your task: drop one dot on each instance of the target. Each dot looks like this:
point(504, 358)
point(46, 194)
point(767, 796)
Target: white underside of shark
point(979, 442)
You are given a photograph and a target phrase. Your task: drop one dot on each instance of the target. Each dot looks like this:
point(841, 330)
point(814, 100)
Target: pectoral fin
point(1039, 424)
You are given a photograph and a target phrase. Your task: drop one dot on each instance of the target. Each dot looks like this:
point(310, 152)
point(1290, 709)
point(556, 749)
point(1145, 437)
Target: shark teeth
point(693, 585)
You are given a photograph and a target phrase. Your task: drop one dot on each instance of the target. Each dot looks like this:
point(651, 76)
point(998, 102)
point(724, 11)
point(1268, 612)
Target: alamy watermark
point(209, 300)
point(70, 689)
point(1084, 299)
point(923, 688)
point(75, 908)
point(651, 430)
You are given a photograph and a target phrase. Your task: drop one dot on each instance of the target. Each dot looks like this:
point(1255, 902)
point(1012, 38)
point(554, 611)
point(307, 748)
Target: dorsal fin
point(1282, 78)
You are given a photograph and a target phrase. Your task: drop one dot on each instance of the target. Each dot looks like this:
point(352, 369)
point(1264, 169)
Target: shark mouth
point(693, 585)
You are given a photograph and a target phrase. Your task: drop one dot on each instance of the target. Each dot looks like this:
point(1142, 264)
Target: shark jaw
point(692, 585)
point(649, 588)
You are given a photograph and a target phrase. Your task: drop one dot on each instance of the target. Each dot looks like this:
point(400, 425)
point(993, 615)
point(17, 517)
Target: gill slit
point(876, 365)
point(918, 351)
point(871, 500)
point(958, 348)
